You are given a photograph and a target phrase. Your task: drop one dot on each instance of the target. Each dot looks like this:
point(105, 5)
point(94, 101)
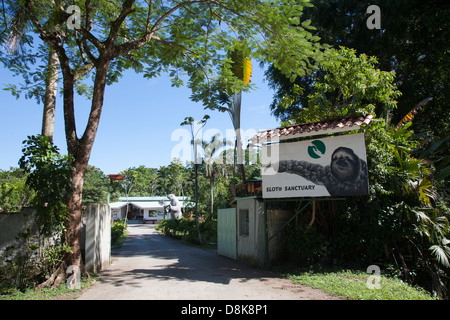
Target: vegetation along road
point(152, 266)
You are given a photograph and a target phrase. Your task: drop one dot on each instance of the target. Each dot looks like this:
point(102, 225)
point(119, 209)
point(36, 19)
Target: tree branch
point(147, 25)
point(137, 43)
point(182, 50)
point(127, 8)
point(81, 71)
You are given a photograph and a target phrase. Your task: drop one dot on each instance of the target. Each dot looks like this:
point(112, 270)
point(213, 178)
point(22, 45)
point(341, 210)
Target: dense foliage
point(49, 175)
point(14, 192)
point(186, 229)
point(403, 224)
point(412, 41)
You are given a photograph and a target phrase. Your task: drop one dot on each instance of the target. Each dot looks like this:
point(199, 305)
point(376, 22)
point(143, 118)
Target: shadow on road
point(147, 254)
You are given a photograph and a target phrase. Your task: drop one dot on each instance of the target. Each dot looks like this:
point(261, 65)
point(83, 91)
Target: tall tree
point(154, 37)
point(15, 26)
point(412, 41)
point(51, 89)
point(212, 166)
point(95, 189)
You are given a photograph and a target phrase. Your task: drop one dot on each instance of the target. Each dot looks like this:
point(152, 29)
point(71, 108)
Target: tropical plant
point(14, 192)
point(49, 175)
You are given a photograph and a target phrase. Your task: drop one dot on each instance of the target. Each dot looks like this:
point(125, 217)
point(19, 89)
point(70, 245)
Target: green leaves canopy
point(348, 85)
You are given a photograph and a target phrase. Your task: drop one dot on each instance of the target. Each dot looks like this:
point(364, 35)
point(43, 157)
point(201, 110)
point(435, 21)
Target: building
point(253, 230)
point(146, 209)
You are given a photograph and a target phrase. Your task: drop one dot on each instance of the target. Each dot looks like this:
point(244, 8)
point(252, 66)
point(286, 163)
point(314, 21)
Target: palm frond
point(441, 254)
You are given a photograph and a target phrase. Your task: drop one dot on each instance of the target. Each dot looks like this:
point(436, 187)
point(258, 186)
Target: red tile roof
point(313, 128)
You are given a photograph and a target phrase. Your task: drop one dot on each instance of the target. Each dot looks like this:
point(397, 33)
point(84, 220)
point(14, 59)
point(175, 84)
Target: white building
point(147, 209)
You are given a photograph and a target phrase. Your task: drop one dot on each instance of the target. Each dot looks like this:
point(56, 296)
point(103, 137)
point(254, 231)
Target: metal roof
point(117, 205)
point(146, 199)
point(147, 205)
point(147, 202)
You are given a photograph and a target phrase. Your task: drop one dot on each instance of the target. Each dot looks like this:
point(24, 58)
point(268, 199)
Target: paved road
point(152, 266)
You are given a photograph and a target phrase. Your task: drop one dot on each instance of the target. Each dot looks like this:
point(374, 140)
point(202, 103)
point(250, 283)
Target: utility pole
point(196, 163)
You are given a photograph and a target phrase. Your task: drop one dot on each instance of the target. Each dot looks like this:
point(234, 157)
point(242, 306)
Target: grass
point(352, 285)
point(59, 293)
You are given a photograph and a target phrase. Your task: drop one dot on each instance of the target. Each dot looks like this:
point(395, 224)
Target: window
point(243, 222)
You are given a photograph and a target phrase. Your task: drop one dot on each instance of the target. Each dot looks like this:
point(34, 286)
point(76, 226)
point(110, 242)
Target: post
point(98, 237)
point(266, 235)
point(196, 204)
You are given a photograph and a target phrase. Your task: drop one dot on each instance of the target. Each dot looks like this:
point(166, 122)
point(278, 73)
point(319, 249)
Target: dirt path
point(151, 266)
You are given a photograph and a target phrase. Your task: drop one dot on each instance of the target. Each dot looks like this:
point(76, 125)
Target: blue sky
point(138, 120)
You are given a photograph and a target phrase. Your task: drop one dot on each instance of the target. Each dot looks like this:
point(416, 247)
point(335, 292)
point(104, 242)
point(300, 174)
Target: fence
point(95, 235)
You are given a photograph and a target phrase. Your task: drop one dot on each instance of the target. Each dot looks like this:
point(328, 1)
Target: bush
point(306, 246)
point(118, 230)
point(186, 229)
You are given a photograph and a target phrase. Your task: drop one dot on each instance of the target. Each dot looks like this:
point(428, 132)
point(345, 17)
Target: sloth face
point(344, 164)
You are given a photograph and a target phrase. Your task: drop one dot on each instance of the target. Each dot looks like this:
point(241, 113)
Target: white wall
point(98, 237)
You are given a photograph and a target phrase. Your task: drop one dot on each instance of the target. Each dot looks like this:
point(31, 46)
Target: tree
point(172, 178)
point(404, 220)
point(42, 83)
point(95, 189)
point(231, 98)
point(14, 192)
point(155, 37)
point(351, 86)
point(49, 176)
point(145, 181)
point(212, 169)
point(412, 41)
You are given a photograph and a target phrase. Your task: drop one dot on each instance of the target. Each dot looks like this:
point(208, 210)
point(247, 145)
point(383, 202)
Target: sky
point(140, 122)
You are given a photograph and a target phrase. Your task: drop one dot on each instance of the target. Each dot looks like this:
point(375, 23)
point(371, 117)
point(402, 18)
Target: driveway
point(152, 266)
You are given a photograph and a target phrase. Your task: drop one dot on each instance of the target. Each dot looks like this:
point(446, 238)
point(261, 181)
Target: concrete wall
point(98, 237)
point(249, 244)
point(95, 235)
point(11, 225)
point(251, 248)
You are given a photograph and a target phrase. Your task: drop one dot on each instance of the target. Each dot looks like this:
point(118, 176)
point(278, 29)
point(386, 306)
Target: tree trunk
point(80, 149)
point(51, 87)
point(212, 192)
point(73, 224)
point(196, 204)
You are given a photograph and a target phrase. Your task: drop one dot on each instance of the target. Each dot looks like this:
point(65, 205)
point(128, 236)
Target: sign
point(333, 166)
point(116, 176)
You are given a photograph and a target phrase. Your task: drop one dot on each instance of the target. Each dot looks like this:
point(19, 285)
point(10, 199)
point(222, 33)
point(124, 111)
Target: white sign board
point(333, 166)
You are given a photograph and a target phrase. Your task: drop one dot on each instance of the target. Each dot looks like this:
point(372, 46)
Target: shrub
point(306, 246)
point(186, 229)
point(118, 230)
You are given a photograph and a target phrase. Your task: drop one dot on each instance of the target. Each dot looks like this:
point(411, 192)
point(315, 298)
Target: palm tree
point(212, 165)
point(413, 181)
point(242, 69)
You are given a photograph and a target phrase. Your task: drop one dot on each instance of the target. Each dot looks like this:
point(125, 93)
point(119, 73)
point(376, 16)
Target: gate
point(226, 232)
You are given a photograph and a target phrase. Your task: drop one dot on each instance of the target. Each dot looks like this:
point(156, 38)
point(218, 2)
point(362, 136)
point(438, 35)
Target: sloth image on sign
point(346, 175)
